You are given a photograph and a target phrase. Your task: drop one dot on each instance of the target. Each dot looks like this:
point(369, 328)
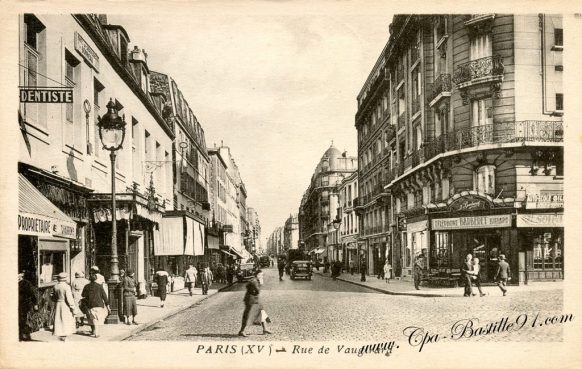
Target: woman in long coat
point(162, 280)
point(27, 302)
point(129, 298)
point(64, 324)
point(77, 286)
point(254, 312)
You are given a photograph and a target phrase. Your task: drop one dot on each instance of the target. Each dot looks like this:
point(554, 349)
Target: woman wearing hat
point(64, 324)
point(129, 298)
point(96, 303)
point(78, 284)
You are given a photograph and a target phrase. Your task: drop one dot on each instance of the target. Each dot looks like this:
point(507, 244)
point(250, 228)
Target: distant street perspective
point(323, 309)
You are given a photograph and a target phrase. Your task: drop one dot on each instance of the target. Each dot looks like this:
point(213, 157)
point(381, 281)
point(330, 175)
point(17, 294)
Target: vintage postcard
point(290, 184)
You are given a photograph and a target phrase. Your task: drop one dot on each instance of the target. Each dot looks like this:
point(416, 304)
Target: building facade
point(319, 205)
point(475, 160)
point(349, 228)
point(291, 232)
point(65, 175)
point(190, 164)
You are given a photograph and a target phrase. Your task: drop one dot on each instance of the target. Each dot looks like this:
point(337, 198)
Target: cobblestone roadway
point(323, 309)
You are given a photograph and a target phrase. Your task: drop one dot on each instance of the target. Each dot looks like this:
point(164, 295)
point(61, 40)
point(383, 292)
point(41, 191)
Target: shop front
point(415, 242)
point(541, 237)
point(139, 223)
point(45, 235)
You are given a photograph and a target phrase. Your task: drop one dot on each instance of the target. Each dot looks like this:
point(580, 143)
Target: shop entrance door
point(486, 248)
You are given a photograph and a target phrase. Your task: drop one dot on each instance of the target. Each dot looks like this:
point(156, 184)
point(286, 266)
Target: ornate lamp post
point(336, 225)
point(112, 133)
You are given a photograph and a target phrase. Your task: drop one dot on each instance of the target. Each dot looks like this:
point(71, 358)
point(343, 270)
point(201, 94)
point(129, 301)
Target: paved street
point(323, 309)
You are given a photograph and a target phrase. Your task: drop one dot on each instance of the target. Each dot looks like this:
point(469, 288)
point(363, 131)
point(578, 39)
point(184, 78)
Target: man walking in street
point(503, 274)
point(466, 268)
point(363, 269)
point(281, 267)
point(418, 267)
point(190, 278)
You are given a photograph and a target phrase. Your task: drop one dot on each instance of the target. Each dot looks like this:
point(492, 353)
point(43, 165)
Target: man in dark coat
point(252, 305)
point(503, 274)
point(281, 266)
point(466, 276)
point(363, 269)
point(27, 301)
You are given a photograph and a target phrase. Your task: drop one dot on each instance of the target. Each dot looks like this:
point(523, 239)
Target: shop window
point(484, 179)
point(440, 257)
point(51, 264)
point(548, 251)
point(481, 112)
point(481, 47)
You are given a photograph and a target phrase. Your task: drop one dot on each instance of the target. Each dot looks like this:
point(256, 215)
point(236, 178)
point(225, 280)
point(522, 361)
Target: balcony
point(535, 131)
point(415, 105)
point(481, 70)
point(442, 86)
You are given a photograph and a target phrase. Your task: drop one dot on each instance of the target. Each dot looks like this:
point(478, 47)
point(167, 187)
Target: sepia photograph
point(289, 188)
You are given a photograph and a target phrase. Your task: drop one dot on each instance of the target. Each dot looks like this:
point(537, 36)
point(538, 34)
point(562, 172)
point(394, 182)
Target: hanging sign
point(55, 95)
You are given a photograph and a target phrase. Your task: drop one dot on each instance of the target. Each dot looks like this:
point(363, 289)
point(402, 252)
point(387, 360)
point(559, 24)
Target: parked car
point(265, 261)
point(245, 271)
point(301, 269)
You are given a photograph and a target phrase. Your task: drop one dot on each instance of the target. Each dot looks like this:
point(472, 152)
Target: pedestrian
point(281, 266)
point(317, 264)
point(220, 273)
point(129, 298)
point(326, 265)
point(162, 278)
point(475, 276)
point(27, 305)
point(64, 324)
point(190, 278)
point(466, 270)
point(503, 274)
point(253, 309)
point(387, 271)
point(95, 270)
point(229, 274)
point(77, 286)
point(96, 303)
point(418, 267)
point(204, 277)
point(363, 269)
point(351, 263)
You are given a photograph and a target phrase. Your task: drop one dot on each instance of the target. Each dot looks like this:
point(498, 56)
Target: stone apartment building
point(460, 122)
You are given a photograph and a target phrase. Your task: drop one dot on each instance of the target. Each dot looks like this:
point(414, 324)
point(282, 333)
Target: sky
point(275, 86)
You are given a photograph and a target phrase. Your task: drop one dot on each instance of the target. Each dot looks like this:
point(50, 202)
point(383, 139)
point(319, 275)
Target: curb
point(125, 336)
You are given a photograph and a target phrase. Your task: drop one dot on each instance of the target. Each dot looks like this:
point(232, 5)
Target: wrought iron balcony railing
point(441, 84)
point(484, 67)
point(497, 133)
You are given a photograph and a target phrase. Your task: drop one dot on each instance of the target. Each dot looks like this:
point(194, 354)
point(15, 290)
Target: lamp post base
point(113, 317)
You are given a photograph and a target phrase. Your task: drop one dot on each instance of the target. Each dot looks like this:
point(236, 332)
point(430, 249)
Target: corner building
point(473, 161)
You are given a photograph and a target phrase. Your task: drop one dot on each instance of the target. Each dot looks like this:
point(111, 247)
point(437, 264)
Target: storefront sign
point(545, 200)
point(38, 225)
point(87, 52)
point(540, 220)
point(469, 203)
point(46, 95)
point(489, 221)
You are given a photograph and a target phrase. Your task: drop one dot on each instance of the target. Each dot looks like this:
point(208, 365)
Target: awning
point(228, 253)
point(172, 240)
point(212, 242)
point(37, 216)
point(236, 252)
point(198, 238)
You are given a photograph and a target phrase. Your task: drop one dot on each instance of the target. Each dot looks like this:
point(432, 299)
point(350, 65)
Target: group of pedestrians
point(201, 276)
point(470, 274)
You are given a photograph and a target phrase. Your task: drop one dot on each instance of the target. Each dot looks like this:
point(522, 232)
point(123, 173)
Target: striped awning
point(38, 216)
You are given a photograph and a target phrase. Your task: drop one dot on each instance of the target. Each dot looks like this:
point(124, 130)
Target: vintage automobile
point(245, 271)
point(301, 269)
point(265, 261)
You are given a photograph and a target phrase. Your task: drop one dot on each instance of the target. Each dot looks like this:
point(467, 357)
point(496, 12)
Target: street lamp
point(336, 225)
point(112, 133)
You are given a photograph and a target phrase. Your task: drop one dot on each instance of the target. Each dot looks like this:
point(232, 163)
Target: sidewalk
point(406, 287)
point(149, 313)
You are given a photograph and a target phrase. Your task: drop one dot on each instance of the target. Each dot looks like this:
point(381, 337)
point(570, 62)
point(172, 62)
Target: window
point(416, 89)
point(560, 102)
point(34, 65)
point(418, 137)
point(480, 47)
point(97, 102)
point(481, 112)
point(548, 250)
point(73, 125)
point(558, 37)
point(484, 179)
point(441, 252)
point(51, 264)
point(401, 102)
